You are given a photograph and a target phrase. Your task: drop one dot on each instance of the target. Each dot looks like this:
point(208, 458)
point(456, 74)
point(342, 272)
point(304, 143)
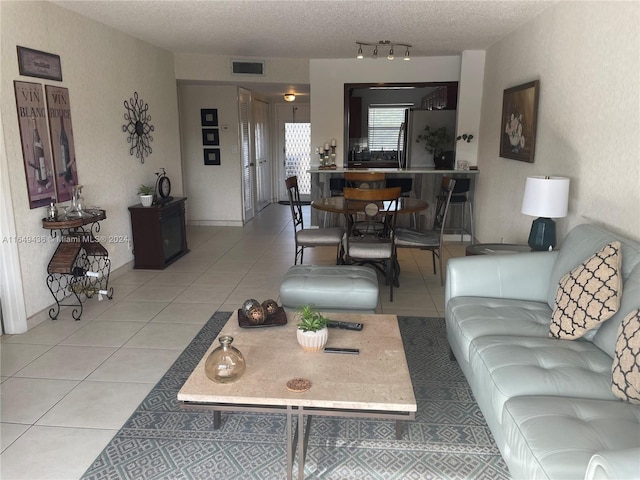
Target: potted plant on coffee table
point(146, 195)
point(312, 330)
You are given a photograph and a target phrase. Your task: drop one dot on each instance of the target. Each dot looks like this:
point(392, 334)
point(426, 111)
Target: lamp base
point(543, 234)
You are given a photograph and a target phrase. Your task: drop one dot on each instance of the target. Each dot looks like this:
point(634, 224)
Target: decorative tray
point(277, 319)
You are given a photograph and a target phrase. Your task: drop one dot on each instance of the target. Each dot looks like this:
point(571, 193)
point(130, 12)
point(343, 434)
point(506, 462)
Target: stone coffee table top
point(376, 379)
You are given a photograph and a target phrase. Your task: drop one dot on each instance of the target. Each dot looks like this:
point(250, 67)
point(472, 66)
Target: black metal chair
point(372, 206)
point(432, 239)
point(310, 237)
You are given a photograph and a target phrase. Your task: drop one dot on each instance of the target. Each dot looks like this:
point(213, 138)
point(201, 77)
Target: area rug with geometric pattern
point(449, 438)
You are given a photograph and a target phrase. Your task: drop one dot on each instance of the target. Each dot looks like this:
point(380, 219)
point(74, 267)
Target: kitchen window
point(384, 125)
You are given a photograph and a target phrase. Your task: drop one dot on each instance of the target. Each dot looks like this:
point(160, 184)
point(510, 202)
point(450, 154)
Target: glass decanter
point(77, 202)
point(225, 364)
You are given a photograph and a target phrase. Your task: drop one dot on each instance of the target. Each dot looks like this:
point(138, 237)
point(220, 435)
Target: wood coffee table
point(373, 384)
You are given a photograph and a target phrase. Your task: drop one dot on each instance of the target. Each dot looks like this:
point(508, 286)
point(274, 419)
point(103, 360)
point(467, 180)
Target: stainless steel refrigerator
point(411, 153)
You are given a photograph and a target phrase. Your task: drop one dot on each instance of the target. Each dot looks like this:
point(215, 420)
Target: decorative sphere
point(247, 304)
point(257, 315)
point(270, 306)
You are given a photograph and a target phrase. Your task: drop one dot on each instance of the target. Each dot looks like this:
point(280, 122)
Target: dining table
point(337, 205)
point(405, 205)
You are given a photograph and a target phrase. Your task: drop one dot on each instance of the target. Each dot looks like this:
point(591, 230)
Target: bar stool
point(336, 185)
point(460, 198)
point(406, 187)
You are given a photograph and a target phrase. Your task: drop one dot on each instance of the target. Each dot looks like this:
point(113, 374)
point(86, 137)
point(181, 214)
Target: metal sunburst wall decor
point(138, 127)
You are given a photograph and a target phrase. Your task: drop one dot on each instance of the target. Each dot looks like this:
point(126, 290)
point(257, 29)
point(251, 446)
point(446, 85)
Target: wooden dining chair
point(432, 239)
point(373, 206)
point(364, 179)
point(310, 237)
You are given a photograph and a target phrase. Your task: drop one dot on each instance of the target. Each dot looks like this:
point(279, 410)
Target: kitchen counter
point(393, 171)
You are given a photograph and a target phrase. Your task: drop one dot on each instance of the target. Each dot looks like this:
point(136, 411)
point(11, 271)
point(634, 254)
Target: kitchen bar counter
point(426, 185)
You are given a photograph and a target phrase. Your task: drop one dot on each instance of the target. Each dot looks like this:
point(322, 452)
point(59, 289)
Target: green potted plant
point(146, 195)
point(312, 330)
point(435, 141)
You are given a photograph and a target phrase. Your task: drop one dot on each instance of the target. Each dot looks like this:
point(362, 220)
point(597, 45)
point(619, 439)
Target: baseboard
point(214, 223)
point(43, 315)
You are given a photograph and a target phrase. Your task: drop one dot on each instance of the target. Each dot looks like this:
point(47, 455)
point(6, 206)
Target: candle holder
point(327, 154)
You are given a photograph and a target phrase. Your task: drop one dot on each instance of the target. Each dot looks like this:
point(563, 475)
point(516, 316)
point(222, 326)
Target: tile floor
point(67, 386)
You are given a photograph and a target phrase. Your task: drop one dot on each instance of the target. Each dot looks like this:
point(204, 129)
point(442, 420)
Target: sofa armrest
point(520, 276)
point(614, 465)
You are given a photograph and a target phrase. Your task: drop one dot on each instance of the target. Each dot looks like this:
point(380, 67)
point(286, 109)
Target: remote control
point(344, 325)
point(352, 351)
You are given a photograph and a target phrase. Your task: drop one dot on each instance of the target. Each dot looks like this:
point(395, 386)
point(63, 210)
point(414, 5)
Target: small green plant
point(310, 319)
point(144, 190)
point(435, 139)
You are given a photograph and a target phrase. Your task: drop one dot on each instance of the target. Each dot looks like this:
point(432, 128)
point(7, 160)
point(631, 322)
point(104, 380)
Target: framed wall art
point(518, 125)
point(209, 117)
point(212, 156)
point(32, 119)
point(210, 136)
point(62, 147)
point(34, 63)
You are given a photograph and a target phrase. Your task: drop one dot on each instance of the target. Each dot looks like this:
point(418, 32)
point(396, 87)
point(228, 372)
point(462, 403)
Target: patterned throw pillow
point(588, 295)
point(626, 364)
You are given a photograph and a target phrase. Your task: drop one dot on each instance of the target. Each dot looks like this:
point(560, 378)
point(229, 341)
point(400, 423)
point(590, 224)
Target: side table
point(80, 266)
point(496, 249)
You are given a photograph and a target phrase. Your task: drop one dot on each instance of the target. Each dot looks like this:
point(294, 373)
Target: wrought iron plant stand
point(80, 266)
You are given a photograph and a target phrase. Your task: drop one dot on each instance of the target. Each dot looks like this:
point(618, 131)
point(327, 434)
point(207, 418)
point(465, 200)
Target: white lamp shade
point(546, 197)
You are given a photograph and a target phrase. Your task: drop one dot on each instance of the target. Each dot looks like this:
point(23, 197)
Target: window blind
point(384, 126)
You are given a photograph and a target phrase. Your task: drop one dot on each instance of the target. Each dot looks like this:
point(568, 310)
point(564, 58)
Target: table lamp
point(546, 198)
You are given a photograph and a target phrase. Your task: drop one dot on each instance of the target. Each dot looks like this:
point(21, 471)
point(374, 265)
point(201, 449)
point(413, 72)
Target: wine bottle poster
point(61, 131)
point(32, 118)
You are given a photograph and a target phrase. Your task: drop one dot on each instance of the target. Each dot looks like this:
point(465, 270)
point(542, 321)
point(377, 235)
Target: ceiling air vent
point(242, 67)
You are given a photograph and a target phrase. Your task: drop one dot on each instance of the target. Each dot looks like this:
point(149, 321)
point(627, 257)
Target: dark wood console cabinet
point(159, 234)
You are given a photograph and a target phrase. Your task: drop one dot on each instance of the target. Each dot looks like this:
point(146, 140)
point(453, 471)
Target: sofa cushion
point(515, 366)
point(588, 295)
point(606, 336)
point(579, 244)
point(472, 317)
point(626, 363)
point(553, 437)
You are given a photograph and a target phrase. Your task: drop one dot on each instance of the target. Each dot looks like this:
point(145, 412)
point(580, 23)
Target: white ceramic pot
point(146, 200)
point(313, 341)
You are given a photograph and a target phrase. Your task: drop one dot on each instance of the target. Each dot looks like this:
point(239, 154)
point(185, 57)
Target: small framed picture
point(34, 63)
point(210, 136)
point(209, 117)
point(212, 156)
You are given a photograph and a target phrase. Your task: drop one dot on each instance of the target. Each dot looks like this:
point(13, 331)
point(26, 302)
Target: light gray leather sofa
point(548, 402)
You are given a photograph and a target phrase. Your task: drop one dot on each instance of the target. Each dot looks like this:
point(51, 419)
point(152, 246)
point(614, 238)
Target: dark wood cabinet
point(159, 234)
point(355, 117)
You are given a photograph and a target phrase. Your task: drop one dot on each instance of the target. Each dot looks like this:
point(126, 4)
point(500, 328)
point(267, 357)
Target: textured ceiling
point(310, 28)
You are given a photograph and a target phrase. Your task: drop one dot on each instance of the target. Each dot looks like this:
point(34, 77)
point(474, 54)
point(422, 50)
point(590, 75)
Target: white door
point(263, 161)
point(247, 156)
point(294, 147)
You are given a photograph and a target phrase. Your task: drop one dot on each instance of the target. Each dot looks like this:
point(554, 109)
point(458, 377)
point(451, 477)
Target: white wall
point(586, 56)
point(101, 68)
point(214, 191)
point(470, 103)
point(218, 68)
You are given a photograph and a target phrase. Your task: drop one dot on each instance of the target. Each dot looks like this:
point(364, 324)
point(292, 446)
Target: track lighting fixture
point(385, 44)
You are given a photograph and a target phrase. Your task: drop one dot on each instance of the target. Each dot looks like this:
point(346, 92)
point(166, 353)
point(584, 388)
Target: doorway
point(247, 155)
point(294, 147)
